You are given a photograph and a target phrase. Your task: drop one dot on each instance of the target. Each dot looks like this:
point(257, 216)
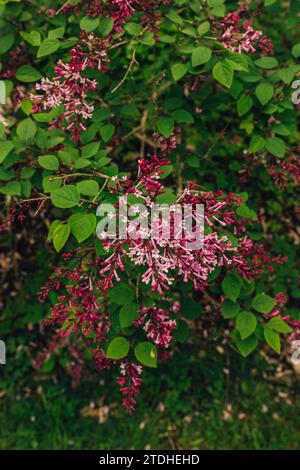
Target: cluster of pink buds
point(18, 56)
point(157, 325)
point(253, 259)
point(15, 214)
point(240, 36)
point(130, 382)
point(165, 259)
point(120, 11)
point(70, 85)
point(284, 172)
point(78, 309)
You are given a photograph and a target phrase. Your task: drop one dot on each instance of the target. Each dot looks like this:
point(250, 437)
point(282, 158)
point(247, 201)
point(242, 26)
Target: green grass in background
point(204, 410)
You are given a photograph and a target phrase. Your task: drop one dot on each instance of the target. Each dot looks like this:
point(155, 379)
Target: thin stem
point(133, 61)
point(73, 175)
point(62, 7)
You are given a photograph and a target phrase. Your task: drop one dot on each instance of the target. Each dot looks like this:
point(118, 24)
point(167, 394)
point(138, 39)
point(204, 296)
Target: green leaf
point(60, 236)
point(165, 126)
point(89, 24)
point(48, 46)
point(42, 117)
point(168, 197)
point(175, 18)
point(121, 294)
point(82, 163)
point(52, 228)
point(203, 28)
point(244, 211)
point(273, 339)
point(246, 324)
point(146, 354)
point(26, 106)
point(201, 55)
point(107, 132)
point(28, 74)
point(49, 162)
point(26, 187)
point(66, 197)
point(33, 38)
point(263, 303)
point(88, 187)
point(245, 346)
point(190, 31)
point(296, 50)
point(244, 104)
point(230, 309)
point(48, 366)
point(148, 39)
point(219, 9)
point(7, 40)
point(276, 146)
point(56, 33)
point(117, 348)
point(264, 92)
point(257, 143)
point(128, 314)
point(238, 61)
point(5, 149)
point(50, 184)
point(106, 25)
point(267, 63)
point(179, 71)
point(181, 115)
point(231, 286)
point(287, 74)
point(13, 188)
point(27, 173)
point(223, 73)
point(90, 150)
point(277, 324)
point(82, 225)
point(26, 130)
point(134, 29)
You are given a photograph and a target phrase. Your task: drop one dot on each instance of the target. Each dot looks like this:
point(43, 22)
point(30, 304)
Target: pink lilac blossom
point(157, 325)
point(283, 172)
point(120, 11)
point(82, 308)
point(240, 36)
point(70, 85)
point(166, 259)
point(255, 258)
point(79, 308)
point(15, 214)
point(17, 57)
point(130, 382)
